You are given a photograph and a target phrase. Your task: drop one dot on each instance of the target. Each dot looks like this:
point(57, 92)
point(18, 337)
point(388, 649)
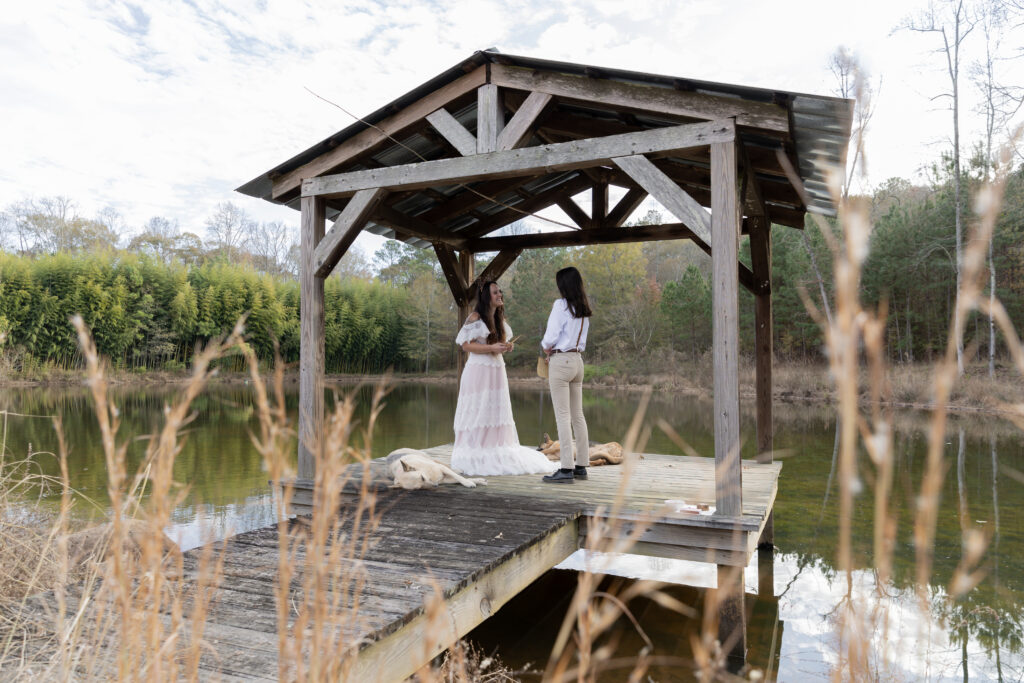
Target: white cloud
point(163, 107)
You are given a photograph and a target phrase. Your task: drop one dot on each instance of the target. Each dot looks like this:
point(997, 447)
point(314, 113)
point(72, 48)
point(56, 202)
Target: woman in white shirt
point(563, 343)
point(486, 440)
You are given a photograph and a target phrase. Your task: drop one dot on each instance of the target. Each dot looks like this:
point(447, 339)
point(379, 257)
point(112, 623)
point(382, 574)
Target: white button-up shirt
point(563, 329)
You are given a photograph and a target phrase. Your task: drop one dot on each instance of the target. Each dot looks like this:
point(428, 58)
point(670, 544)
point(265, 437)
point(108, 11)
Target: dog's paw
point(481, 482)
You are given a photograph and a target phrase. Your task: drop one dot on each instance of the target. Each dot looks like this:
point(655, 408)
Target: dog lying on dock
point(600, 453)
point(412, 469)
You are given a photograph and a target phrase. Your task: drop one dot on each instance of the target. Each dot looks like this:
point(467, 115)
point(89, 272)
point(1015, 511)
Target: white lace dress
point(486, 440)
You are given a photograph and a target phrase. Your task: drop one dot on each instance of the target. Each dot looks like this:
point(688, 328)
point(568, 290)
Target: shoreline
point(794, 383)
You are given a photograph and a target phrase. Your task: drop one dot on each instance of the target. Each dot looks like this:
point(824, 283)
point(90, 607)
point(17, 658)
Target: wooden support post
point(761, 258)
point(490, 118)
point(311, 341)
point(725, 235)
point(466, 268)
point(766, 571)
point(732, 615)
point(598, 205)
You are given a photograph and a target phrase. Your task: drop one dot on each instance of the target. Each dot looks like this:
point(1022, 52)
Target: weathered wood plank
point(454, 132)
point(732, 615)
point(562, 156)
point(345, 230)
point(452, 273)
point(725, 215)
point(625, 207)
point(381, 132)
point(478, 195)
point(761, 259)
point(598, 205)
point(494, 270)
point(568, 238)
point(522, 209)
point(672, 197)
point(574, 212)
point(402, 652)
point(311, 339)
point(404, 223)
point(490, 118)
point(646, 98)
point(518, 129)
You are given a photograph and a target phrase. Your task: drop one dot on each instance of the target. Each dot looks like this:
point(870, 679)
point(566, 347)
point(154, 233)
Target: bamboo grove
point(150, 307)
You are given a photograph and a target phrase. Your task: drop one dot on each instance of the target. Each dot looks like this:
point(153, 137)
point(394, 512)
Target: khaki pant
point(565, 378)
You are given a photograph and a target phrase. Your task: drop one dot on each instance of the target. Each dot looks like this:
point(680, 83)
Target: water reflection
point(227, 492)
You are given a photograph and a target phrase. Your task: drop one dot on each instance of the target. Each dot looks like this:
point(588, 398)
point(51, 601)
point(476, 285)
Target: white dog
point(413, 469)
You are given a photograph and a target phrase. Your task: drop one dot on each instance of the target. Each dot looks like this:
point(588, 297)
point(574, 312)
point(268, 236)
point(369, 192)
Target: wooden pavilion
point(498, 137)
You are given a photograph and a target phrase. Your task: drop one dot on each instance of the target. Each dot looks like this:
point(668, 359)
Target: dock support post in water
point(725, 236)
point(761, 264)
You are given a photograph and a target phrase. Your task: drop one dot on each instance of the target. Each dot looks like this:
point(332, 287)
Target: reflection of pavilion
point(500, 137)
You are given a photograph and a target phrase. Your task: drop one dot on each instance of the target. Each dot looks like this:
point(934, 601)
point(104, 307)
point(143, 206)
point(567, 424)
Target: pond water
point(791, 634)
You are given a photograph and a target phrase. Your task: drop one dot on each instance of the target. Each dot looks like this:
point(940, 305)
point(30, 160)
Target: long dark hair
point(483, 309)
point(570, 286)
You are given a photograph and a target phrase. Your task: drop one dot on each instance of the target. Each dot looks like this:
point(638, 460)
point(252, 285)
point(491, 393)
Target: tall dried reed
point(854, 337)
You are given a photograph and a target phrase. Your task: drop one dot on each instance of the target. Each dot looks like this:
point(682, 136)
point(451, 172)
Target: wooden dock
point(476, 548)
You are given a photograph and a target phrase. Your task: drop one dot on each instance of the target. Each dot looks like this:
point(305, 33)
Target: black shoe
point(560, 477)
point(579, 472)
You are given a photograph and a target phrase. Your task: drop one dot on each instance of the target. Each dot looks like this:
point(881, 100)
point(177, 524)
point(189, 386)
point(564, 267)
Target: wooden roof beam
point(494, 270)
point(383, 130)
point(452, 272)
point(671, 196)
point(577, 238)
point(346, 228)
point(539, 160)
point(454, 132)
point(573, 211)
point(625, 207)
point(518, 128)
point(529, 206)
point(405, 224)
point(644, 98)
point(471, 198)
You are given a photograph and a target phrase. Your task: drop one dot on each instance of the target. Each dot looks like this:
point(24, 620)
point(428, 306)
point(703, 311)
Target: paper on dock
point(683, 508)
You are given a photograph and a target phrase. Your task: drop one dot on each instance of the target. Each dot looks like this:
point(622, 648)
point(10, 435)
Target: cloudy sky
point(163, 108)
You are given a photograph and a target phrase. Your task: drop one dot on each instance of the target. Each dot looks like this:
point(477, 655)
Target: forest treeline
point(151, 301)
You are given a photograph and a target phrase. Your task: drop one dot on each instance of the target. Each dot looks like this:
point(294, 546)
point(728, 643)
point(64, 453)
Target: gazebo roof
point(811, 131)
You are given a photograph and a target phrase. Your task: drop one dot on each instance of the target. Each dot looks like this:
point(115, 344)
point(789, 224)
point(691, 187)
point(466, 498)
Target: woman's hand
point(498, 347)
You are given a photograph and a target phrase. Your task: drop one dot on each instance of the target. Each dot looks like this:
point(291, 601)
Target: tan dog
point(412, 469)
point(600, 453)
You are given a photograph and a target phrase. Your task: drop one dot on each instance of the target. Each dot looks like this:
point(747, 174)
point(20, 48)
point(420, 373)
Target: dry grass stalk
point(320, 578)
point(855, 331)
point(126, 618)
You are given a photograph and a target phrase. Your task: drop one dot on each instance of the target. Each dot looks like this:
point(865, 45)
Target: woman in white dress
point(486, 440)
